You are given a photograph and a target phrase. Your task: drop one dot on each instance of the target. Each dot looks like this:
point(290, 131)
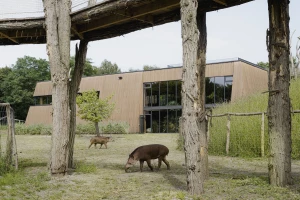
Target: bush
point(115, 128)
point(39, 129)
point(85, 129)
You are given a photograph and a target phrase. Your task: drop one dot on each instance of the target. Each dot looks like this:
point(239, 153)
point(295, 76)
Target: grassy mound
point(246, 130)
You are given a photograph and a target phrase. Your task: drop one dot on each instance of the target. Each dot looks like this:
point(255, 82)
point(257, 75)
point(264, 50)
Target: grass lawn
point(100, 173)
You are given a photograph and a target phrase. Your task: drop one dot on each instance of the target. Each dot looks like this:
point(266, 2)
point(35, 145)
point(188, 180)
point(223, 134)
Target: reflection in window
point(172, 93)
point(163, 121)
point(163, 93)
point(43, 100)
point(155, 94)
point(155, 121)
point(218, 89)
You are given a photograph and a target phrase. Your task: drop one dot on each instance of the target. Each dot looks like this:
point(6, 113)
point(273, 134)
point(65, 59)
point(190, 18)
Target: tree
point(264, 65)
point(108, 68)
point(193, 120)
point(18, 83)
point(78, 69)
point(88, 68)
point(297, 59)
point(94, 109)
point(149, 67)
point(134, 70)
point(279, 105)
point(58, 26)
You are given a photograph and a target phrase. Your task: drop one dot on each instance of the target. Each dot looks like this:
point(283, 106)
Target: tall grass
point(245, 130)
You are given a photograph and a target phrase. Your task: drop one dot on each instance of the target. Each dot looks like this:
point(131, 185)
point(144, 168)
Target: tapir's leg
point(166, 162)
point(159, 162)
point(100, 146)
point(149, 164)
point(90, 145)
point(95, 145)
point(141, 165)
point(105, 145)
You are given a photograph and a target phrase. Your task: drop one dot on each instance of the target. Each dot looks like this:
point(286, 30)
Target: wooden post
point(262, 135)
point(194, 42)
point(228, 134)
point(58, 26)
point(208, 128)
point(279, 105)
point(9, 142)
point(14, 144)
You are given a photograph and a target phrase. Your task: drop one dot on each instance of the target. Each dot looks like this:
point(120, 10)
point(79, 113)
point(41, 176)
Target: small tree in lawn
point(94, 109)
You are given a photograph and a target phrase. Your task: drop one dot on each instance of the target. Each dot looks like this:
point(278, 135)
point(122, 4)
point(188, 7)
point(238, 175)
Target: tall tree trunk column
point(80, 58)
point(193, 118)
point(58, 24)
point(279, 101)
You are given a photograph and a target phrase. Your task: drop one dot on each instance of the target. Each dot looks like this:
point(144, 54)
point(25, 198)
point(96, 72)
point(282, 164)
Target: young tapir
point(146, 153)
point(99, 140)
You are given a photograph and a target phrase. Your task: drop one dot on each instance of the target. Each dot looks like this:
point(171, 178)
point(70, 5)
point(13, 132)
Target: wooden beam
point(138, 13)
point(223, 2)
point(74, 29)
point(11, 39)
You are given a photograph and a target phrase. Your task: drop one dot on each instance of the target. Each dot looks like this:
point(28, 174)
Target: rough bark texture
point(193, 90)
point(97, 128)
point(80, 58)
point(279, 101)
point(58, 24)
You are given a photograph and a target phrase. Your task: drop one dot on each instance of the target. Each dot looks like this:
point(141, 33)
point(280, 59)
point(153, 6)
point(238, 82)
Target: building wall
point(127, 89)
point(248, 80)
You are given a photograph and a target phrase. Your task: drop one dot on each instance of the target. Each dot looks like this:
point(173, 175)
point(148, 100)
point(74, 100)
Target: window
point(218, 89)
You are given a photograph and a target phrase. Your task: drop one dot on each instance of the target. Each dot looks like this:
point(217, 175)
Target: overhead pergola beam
point(123, 16)
point(107, 18)
point(74, 29)
point(11, 39)
point(222, 2)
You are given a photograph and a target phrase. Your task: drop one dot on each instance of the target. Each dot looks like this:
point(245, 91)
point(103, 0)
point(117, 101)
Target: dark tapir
point(146, 153)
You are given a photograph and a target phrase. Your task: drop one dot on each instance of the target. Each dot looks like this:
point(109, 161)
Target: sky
point(238, 31)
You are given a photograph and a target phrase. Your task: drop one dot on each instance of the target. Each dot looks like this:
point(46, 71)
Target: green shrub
point(85, 128)
point(115, 128)
point(39, 129)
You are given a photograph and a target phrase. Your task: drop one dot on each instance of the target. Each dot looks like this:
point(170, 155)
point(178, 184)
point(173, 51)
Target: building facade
point(151, 100)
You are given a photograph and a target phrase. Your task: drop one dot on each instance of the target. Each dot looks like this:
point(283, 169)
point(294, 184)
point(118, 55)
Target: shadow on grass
point(228, 173)
point(24, 163)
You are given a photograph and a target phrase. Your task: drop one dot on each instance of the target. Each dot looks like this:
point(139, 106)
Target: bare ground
point(230, 178)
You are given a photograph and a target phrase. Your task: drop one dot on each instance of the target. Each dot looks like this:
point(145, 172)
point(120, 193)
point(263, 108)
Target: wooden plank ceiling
point(107, 19)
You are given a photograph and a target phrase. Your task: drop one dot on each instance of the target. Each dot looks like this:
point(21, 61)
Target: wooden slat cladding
point(127, 89)
point(219, 69)
point(43, 89)
point(248, 80)
point(39, 115)
point(162, 75)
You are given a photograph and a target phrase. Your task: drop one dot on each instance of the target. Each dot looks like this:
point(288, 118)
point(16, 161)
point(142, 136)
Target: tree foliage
point(108, 68)
point(264, 65)
point(89, 69)
point(94, 109)
point(18, 83)
point(149, 67)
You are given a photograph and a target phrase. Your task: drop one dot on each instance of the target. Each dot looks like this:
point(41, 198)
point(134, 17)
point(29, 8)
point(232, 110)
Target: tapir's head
point(131, 161)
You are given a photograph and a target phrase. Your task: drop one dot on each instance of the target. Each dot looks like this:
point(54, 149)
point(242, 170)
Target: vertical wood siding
point(128, 91)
